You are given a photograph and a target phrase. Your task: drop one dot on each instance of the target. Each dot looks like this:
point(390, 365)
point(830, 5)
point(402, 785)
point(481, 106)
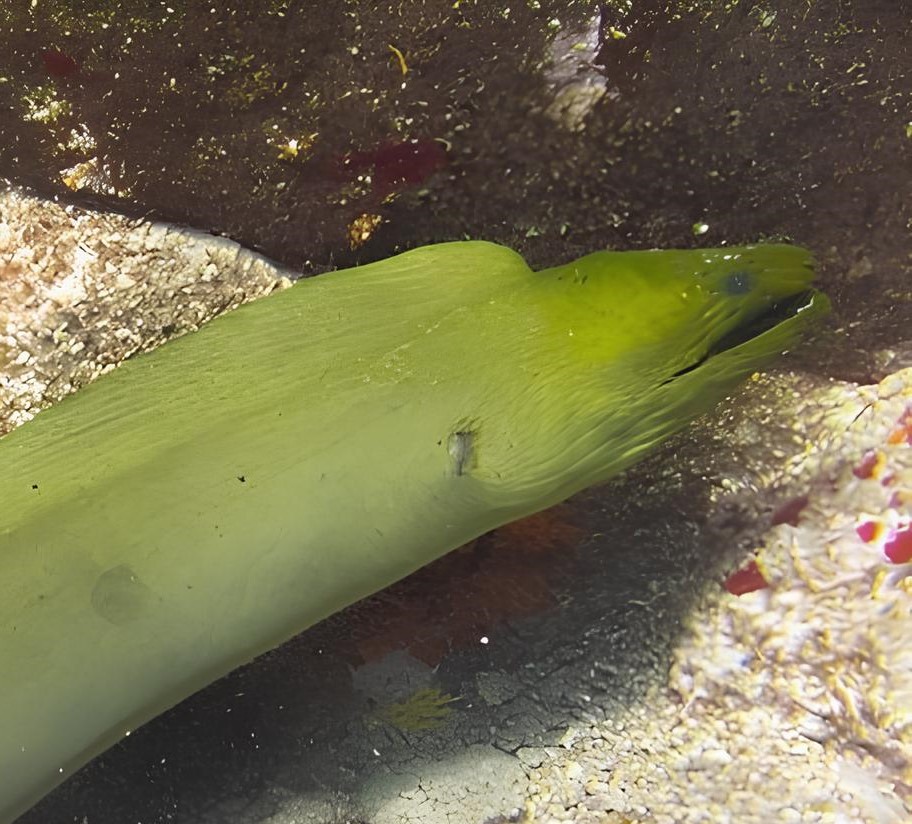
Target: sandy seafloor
point(792, 702)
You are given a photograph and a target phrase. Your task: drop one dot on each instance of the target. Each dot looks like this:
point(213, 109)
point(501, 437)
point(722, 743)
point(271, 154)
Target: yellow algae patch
point(423, 710)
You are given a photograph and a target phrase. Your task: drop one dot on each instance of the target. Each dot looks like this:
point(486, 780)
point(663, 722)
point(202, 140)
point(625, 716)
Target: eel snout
point(756, 325)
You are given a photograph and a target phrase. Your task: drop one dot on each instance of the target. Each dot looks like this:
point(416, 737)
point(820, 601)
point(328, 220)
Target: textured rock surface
point(80, 291)
point(792, 702)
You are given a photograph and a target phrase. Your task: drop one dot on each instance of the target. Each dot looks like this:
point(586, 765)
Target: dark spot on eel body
point(119, 596)
point(461, 447)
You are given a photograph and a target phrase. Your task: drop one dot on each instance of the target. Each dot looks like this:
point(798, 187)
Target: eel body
point(206, 501)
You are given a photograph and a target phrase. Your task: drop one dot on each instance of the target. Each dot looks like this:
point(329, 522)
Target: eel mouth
point(771, 317)
point(776, 313)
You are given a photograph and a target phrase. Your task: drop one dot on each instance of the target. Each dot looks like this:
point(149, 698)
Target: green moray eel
point(204, 502)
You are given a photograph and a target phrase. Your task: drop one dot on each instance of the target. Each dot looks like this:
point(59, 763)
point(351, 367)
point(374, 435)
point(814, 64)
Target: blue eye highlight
point(738, 283)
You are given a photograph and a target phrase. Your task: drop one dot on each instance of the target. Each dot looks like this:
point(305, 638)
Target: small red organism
point(790, 512)
point(58, 63)
point(868, 531)
point(902, 432)
point(870, 465)
point(898, 547)
point(394, 166)
point(747, 579)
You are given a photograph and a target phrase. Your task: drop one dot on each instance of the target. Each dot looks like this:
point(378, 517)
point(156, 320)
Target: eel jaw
point(785, 309)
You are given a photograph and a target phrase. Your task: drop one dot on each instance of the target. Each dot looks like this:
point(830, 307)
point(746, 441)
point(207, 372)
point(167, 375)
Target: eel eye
point(739, 283)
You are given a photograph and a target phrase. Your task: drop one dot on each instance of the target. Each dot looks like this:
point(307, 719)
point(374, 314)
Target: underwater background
point(717, 635)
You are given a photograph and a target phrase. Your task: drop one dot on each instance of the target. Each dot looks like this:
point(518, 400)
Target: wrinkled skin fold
point(207, 501)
